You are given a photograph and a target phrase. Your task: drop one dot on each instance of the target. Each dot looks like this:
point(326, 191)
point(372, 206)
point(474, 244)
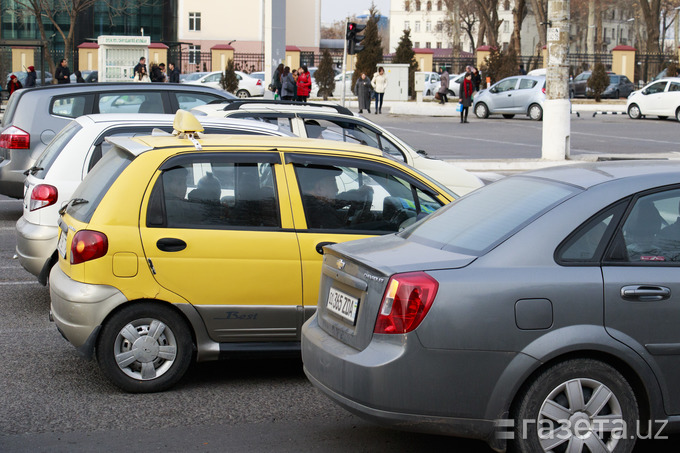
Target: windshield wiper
point(33, 170)
point(72, 202)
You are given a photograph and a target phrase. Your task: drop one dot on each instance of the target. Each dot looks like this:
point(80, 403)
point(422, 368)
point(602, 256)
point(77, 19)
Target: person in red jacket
point(304, 84)
point(13, 84)
point(466, 90)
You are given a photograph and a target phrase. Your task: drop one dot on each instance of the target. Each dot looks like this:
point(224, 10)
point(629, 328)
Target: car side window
point(209, 194)
point(506, 85)
point(139, 102)
point(213, 78)
point(70, 106)
point(651, 231)
point(525, 84)
point(657, 87)
point(342, 131)
point(675, 86)
point(351, 198)
point(101, 146)
point(282, 121)
point(187, 101)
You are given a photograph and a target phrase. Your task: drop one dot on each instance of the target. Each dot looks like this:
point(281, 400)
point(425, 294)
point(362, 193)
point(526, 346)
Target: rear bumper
point(35, 244)
point(12, 168)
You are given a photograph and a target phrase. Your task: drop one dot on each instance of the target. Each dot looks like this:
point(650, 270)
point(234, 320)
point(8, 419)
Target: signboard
point(124, 41)
point(553, 34)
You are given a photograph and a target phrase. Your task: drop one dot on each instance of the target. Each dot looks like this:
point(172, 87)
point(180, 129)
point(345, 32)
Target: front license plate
point(342, 305)
point(61, 244)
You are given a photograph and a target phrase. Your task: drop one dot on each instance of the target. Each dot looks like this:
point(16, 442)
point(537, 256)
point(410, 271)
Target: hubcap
point(580, 415)
point(145, 349)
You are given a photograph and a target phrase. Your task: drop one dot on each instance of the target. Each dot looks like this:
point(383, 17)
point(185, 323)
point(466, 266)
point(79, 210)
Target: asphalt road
point(53, 401)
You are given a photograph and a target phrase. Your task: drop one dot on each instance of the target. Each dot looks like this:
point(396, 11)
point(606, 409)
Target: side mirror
point(645, 91)
point(493, 90)
point(422, 152)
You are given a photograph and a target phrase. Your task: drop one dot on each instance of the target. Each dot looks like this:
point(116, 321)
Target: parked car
point(541, 309)
point(431, 83)
point(578, 87)
point(511, 96)
point(333, 122)
point(184, 78)
point(198, 221)
point(247, 86)
point(33, 117)
point(660, 98)
point(337, 92)
point(619, 86)
point(67, 160)
point(21, 76)
point(454, 84)
point(88, 75)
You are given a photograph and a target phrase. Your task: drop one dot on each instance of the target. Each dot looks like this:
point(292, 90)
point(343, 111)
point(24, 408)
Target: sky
point(332, 10)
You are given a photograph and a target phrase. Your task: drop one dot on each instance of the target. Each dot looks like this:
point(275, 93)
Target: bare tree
point(488, 16)
point(519, 12)
point(540, 10)
point(651, 14)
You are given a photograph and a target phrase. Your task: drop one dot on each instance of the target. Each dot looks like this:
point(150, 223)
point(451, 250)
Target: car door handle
point(645, 293)
point(171, 244)
point(321, 245)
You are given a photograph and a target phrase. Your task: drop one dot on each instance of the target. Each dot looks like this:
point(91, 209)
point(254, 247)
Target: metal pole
point(344, 64)
point(557, 107)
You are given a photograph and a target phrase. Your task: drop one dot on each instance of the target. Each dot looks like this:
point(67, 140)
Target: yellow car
point(212, 244)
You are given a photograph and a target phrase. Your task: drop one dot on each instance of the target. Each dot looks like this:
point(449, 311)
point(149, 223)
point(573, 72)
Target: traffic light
point(353, 38)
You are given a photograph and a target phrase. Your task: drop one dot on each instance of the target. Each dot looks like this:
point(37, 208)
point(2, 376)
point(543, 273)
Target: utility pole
point(344, 64)
point(557, 107)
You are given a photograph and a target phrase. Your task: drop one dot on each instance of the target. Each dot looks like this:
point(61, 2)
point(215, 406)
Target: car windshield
point(194, 76)
point(477, 223)
point(614, 79)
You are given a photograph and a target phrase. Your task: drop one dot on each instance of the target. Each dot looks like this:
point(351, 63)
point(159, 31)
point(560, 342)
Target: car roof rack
point(237, 103)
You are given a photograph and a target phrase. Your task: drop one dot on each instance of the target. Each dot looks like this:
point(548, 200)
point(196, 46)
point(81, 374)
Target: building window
point(428, 26)
point(417, 26)
point(506, 5)
point(429, 6)
point(439, 5)
point(407, 25)
point(417, 5)
point(440, 26)
point(407, 5)
point(416, 44)
point(194, 21)
point(428, 45)
point(506, 26)
point(194, 54)
point(439, 45)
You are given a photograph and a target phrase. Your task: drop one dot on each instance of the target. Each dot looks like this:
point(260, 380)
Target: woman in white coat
point(379, 84)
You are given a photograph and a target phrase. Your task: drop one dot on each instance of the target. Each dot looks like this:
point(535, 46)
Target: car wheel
point(481, 110)
point(634, 112)
point(242, 94)
point(429, 93)
point(145, 347)
point(535, 112)
point(577, 405)
point(677, 114)
point(508, 116)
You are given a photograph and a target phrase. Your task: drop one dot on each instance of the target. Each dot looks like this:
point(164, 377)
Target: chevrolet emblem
point(340, 264)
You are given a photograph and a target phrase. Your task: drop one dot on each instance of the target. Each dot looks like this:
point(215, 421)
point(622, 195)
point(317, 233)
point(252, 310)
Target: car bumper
point(35, 244)
point(13, 164)
point(79, 308)
point(394, 382)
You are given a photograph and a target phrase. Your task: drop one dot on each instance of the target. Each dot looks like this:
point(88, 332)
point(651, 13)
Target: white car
point(247, 86)
point(67, 160)
point(333, 122)
point(660, 98)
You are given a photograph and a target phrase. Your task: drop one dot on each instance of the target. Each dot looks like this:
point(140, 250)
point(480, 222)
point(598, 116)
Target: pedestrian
point(31, 77)
point(304, 84)
point(141, 64)
point(522, 71)
point(443, 85)
point(276, 83)
point(141, 76)
point(379, 85)
point(476, 78)
point(79, 76)
point(466, 90)
point(158, 73)
point(63, 73)
point(173, 73)
point(362, 90)
point(13, 84)
point(288, 85)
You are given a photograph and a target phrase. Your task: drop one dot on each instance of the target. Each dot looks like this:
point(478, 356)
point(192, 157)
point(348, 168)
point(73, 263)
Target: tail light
point(406, 302)
point(88, 245)
point(42, 195)
point(543, 90)
point(259, 82)
point(15, 138)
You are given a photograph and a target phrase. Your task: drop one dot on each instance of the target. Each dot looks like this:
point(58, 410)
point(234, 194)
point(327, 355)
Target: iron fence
point(579, 62)
point(454, 65)
point(649, 65)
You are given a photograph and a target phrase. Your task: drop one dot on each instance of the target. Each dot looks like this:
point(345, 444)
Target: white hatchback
point(660, 98)
point(67, 160)
point(247, 86)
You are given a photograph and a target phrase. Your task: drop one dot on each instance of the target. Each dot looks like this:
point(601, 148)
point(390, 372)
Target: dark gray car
point(541, 309)
point(34, 116)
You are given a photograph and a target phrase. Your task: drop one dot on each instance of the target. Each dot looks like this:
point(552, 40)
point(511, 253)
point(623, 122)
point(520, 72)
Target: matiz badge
point(340, 264)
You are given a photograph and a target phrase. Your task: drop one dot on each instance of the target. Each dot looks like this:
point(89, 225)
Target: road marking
point(474, 139)
point(7, 228)
point(626, 138)
point(19, 283)
point(11, 201)
point(10, 267)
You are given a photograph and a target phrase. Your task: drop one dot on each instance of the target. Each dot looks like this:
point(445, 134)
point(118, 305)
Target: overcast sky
point(332, 10)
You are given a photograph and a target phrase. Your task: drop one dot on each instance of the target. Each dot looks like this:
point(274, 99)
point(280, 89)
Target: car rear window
point(10, 109)
point(475, 224)
point(71, 106)
point(54, 148)
point(97, 182)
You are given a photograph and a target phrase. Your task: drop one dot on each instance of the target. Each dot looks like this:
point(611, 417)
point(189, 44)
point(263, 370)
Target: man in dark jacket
point(142, 63)
point(173, 73)
point(31, 77)
point(63, 73)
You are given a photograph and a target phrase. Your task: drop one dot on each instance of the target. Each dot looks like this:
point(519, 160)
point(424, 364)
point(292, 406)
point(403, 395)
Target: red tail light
point(42, 195)
point(88, 245)
point(15, 138)
point(543, 90)
point(259, 82)
point(406, 302)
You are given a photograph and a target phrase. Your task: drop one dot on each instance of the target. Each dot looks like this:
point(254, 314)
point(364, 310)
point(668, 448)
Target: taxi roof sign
point(185, 122)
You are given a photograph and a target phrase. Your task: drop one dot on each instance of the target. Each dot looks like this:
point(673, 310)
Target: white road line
point(10, 267)
point(618, 137)
point(7, 228)
point(11, 201)
point(19, 283)
point(476, 139)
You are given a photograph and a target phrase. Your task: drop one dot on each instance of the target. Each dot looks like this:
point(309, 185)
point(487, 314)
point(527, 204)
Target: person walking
point(13, 84)
point(476, 78)
point(276, 83)
point(63, 73)
point(363, 89)
point(141, 64)
point(288, 85)
point(304, 84)
point(443, 86)
point(466, 90)
point(379, 84)
point(141, 76)
point(31, 77)
point(173, 73)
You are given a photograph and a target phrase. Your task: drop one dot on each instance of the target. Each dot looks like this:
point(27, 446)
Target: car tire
point(144, 347)
point(677, 114)
point(634, 112)
point(242, 94)
point(567, 405)
point(535, 112)
point(481, 110)
point(508, 116)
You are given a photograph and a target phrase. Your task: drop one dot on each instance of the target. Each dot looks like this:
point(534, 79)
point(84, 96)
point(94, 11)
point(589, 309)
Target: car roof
point(104, 86)
point(267, 105)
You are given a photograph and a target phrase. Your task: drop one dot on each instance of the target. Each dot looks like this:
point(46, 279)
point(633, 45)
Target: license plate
point(61, 244)
point(342, 305)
